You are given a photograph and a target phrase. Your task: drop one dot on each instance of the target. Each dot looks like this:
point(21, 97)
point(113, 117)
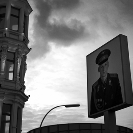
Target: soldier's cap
point(103, 56)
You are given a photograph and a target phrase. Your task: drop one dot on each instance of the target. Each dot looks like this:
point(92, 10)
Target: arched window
point(10, 61)
point(0, 59)
point(6, 118)
point(2, 16)
point(14, 18)
point(24, 24)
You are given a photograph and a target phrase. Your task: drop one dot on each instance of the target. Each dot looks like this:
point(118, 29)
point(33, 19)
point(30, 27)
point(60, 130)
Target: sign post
point(109, 84)
point(110, 122)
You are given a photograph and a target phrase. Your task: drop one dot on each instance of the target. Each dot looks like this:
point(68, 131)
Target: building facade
point(14, 19)
point(78, 128)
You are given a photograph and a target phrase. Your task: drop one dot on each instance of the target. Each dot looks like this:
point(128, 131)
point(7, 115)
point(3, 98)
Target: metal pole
point(110, 122)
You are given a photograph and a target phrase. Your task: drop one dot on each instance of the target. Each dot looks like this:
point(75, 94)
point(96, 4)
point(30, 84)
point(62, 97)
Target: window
point(0, 59)
point(9, 72)
point(96, 126)
point(53, 128)
point(85, 131)
point(2, 16)
point(20, 71)
point(24, 24)
point(75, 131)
point(14, 22)
point(96, 131)
point(63, 127)
point(6, 118)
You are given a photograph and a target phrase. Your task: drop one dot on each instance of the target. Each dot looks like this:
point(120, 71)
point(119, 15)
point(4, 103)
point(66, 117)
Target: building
point(14, 17)
point(78, 128)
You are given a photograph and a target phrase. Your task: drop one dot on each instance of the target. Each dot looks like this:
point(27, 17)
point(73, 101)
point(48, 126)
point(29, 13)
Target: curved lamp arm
point(47, 114)
point(67, 106)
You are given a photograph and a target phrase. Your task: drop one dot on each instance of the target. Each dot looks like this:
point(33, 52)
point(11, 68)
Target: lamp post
point(67, 106)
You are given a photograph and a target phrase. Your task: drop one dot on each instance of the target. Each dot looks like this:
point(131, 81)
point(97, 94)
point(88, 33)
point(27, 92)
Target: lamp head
point(72, 105)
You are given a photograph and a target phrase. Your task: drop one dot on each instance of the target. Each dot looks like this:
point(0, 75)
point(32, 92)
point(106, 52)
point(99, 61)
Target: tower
point(14, 17)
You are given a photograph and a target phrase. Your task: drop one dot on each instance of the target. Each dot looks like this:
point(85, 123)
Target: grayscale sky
point(61, 34)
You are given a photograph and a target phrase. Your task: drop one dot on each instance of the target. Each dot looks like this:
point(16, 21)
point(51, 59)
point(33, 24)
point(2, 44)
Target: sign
point(108, 78)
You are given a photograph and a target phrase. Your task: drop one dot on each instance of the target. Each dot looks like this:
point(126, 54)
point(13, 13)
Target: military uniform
point(105, 95)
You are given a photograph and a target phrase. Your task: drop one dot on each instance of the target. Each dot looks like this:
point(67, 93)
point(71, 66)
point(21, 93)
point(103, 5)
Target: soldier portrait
point(106, 91)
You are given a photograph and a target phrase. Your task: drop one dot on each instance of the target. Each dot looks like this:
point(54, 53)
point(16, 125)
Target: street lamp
point(67, 106)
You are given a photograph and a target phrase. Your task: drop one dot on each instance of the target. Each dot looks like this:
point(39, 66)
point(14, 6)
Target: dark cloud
point(64, 33)
point(125, 9)
point(44, 12)
point(53, 31)
point(66, 4)
point(45, 7)
point(60, 33)
point(108, 16)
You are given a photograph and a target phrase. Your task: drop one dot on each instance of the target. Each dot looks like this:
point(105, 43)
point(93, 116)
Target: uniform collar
point(106, 80)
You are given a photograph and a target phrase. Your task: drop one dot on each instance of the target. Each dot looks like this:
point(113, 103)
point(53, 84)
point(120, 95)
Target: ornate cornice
point(26, 2)
point(14, 96)
point(13, 44)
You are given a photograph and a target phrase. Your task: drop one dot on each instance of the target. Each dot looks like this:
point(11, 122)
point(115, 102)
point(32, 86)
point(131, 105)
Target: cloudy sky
point(61, 34)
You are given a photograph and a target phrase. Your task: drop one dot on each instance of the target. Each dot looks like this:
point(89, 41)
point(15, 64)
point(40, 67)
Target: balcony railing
point(14, 35)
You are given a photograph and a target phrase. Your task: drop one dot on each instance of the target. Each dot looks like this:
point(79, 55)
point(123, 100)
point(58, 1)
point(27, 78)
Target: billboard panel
point(108, 77)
